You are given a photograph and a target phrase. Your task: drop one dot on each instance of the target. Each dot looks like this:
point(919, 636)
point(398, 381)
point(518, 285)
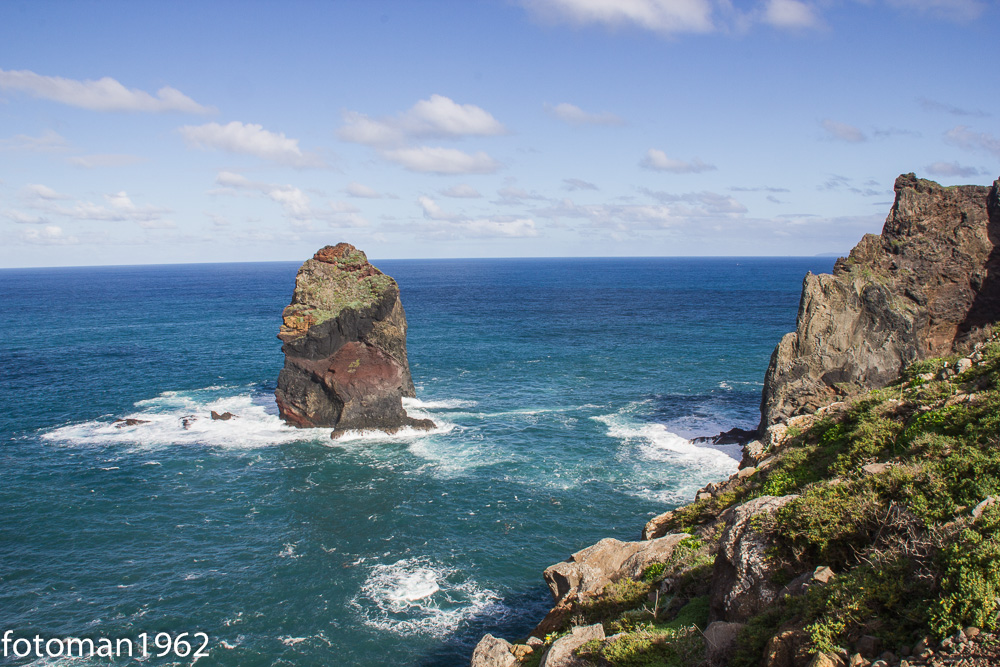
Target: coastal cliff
point(344, 340)
point(926, 287)
point(863, 527)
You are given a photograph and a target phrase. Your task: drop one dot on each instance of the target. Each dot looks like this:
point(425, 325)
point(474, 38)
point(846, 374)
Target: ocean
point(565, 392)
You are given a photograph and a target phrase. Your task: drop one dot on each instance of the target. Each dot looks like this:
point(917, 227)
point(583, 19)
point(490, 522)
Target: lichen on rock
point(928, 286)
point(344, 336)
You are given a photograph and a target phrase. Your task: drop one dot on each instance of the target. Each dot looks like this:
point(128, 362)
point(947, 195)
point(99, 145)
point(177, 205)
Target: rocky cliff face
point(926, 287)
point(344, 338)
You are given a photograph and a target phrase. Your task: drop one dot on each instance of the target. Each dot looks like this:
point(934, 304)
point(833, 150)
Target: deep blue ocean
point(564, 391)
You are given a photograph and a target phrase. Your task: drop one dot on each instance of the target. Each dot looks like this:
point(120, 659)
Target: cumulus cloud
point(662, 16)
point(574, 184)
point(514, 195)
point(574, 115)
point(632, 217)
point(39, 191)
point(963, 137)
point(438, 160)
point(706, 203)
point(790, 14)
point(48, 141)
point(436, 117)
point(843, 131)
point(757, 189)
point(933, 105)
point(657, 160)
point(249, 139)
point(462, 191)
point(23, 218)
point(951, 169)
point(104, 160)
point(105, 94)
point(48, 235)
point(869, 188)
point(434, 212)
point(453, 225)
point(295, 203)
point(362, 191)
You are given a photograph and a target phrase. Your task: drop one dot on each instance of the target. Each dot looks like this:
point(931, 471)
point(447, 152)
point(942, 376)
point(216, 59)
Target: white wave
point(418, 596)
point(445, 404)
point(184, 418)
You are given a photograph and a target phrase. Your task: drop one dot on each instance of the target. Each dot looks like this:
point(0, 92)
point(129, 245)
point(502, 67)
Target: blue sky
point(135, 133)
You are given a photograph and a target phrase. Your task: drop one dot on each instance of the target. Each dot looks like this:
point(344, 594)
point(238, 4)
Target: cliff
point(863, 528)
point(344, 340)
point(925, 287)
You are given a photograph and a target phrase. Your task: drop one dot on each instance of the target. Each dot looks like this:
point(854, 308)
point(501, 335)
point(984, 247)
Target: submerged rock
point(344, 337)
point(926, 287)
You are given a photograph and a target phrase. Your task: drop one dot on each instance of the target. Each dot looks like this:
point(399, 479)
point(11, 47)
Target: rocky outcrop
point(493, 652)
point(926, 287)
point(560, 654)
point(344, 337)
point(742, 582)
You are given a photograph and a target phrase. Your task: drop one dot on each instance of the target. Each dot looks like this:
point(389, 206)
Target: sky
point(174, 132)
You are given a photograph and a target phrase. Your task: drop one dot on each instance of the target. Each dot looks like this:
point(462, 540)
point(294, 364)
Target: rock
point(344, 338)
point(924, 288)
point(187, 421)
point(787, 648)
point(876, 468)
point(521, 651)
point(971, 632)
point(589, 570)
point(753, 452)
point(857, 661)
point(963, 365)
point(734, 436)
point(798, 586)
point(122, 423)
point(225, 416)
point(560, 654)
point(657, 526)
point(826, 660)
point(535, 642)
point(869, 646)
point(742, 583)
point(493, 652)
point(978, 510)
point(720, 642)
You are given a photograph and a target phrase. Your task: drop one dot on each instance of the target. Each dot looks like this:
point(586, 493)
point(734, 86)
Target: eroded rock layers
point(344, 340)
point(926, 287)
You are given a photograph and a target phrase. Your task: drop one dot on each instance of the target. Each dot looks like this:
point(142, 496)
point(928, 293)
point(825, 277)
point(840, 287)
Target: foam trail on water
point(419, 596)
point(255, 424)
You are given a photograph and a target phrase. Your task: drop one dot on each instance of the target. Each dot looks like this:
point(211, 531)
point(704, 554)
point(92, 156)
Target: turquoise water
point(563, 391)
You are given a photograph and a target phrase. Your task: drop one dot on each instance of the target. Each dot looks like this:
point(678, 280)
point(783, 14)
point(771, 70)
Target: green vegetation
point(323, 290)
point(886, 489)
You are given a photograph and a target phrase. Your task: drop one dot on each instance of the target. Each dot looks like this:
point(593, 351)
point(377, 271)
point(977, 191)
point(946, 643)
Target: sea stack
point(344, 340)
point(928, 286)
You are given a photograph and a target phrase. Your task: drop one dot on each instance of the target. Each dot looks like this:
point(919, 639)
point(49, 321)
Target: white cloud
point(436, 117)
point(934, 105)
point(104, 94)
point(48, 235)
point(790, 14)
point(38, 191)
point(515, 195)
point(48, 141)
point(119, 208)
point(574, 115)
point(294, 201)
point(23, 218)
point(481, 228)
point(951, 169)
point(963, 137)
point(663, 16)
point(657, 160)
point(843, 132)
point(674, 211)
point(573, 184)
point(104, 160)
point(249, 139)
point(362, 191)
point(434, 212)
point(462, 191)
point(952, 10)
point(442, 160)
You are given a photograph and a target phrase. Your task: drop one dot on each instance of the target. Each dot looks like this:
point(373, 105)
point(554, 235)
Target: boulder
point(926, 287)
point(589, 570)
point(720, 642)
point(131, 421)
point(493, 652)
point(225, 416)
point(742, 583)
point(344, 337)
point(560, 654)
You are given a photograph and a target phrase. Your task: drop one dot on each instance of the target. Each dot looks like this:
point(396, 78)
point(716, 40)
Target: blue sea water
point(564, 391)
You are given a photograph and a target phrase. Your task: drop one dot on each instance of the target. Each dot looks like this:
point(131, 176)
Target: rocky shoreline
point(860, 529)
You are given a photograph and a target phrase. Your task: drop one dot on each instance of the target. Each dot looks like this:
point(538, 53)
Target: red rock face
point(348, 371)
